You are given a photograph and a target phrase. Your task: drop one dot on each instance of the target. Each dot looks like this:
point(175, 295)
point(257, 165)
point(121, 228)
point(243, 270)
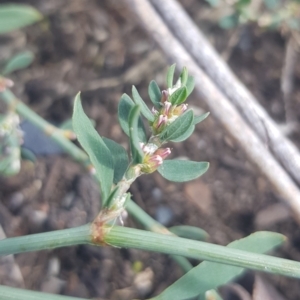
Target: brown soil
point(98, 48)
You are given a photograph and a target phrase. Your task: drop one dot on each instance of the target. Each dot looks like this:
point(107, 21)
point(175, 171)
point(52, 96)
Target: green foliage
point(178, 128)
point(15, 16)
point(182, 170)
point(115, 174)
point(144, 108)
point(183, 77)
point(120, 158)
point(154, 94)
point(198, 119)
point(209, 275)
point(136, 150)
point(95, 147)
point(125, 106)
point(190, 85)
point(19, 61)
point(190, 232)
point(170, 76)
point(179, 96)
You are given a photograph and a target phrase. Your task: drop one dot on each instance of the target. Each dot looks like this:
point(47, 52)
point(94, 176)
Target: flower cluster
point(153, 157)
point(167, 114)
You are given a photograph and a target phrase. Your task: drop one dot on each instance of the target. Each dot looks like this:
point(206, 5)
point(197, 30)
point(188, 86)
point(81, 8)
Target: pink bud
point(163, 152)
point(155, 161)
point(164, 96)
point(167, 106)
point(162, 120)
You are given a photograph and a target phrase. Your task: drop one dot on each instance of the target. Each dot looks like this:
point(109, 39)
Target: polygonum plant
point(168, 120)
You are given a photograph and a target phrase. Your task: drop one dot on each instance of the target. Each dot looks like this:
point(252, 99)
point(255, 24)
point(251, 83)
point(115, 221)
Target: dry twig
point(207, 58)
point(219, 105)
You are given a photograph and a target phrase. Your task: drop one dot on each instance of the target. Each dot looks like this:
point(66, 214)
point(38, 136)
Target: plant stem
point(47, 240)
point(9, 293)
point(76, 153)
point(55, 133)
point(145, 240)
point(149, 223)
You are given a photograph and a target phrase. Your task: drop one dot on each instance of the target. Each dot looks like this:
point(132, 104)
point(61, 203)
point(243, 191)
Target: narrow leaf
point(170, 76)
point(184, 76)
point(198, 119)
point(179, 96)
point(209, 275)
point(144, 108)
point(93, 144)
point(15, 16)
point(185, 135)
point(182, 170)
point(136, 150)
point(190, 85)
point(125, 106)
point(19, 61)
point(189, 132)
point(189, 232)
point(178, 127)
point(120, 158)
point(154, 94)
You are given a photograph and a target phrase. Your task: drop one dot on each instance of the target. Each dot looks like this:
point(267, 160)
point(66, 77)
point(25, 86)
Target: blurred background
point(98, 47)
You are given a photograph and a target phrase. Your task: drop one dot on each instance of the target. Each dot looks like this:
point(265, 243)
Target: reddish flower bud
point(164, 96)
point(163, 152)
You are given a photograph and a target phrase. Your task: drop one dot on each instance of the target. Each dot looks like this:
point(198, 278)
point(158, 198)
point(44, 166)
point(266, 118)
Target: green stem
point(144, 219)
point(150, 224)
point(56, 134)
point(145, 240)
point(9, 293)
point(76, 153)
point(47, 240)
point(150, 241)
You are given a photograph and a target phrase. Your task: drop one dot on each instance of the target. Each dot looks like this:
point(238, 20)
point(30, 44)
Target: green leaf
point(179, 96)
point(178, 127)
point(182, 170)
point(170, 76)
point(190, 85)
point(15, 16)
point(198, 119)
point(190, 130)
point(120, 158)
point(125, 106)
point(19, 61)
point(185, 135)
point(144, 108)
point(93, 144)
point(136, 150)
point(154, 94)
point(183, 76)
point(190, 232)
point(210, 275)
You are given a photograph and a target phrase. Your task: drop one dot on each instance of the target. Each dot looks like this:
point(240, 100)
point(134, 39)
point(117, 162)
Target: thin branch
point(125, 237)
point(220, 106)
point(207, 58)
